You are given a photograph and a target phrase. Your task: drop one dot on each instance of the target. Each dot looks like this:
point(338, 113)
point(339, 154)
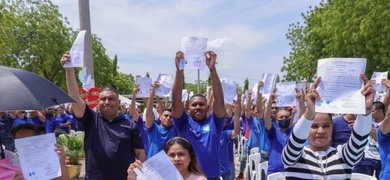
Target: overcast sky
point(248, 36)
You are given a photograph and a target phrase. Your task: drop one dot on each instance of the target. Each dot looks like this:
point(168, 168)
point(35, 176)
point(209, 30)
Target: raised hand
point(211, 59)
point(65, 58)
point(179, 56)
point(368, 92)
point(310, 99)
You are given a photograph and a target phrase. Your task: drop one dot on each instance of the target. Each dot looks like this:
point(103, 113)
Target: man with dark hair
point(201, 130)
point(112, 142)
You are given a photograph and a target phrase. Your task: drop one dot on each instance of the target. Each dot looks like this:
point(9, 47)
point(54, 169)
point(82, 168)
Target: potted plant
point(74, 148)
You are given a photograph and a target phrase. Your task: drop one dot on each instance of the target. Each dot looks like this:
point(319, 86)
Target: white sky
point(248, 36)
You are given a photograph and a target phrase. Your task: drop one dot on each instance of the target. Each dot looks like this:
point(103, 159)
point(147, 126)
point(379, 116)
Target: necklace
point(321, 164)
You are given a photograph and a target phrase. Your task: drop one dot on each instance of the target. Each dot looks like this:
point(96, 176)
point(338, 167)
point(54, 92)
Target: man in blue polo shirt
point(51, 124)
point(158, 135)
point(278, 135)
point(112, 142)
point(201, 130)
point(63, 119)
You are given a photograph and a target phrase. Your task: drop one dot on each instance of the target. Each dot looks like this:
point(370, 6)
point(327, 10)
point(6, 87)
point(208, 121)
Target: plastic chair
point(358, 176)
point(79, 133)
point(253, 165)
point(72, 132)
point(276, 176)
point(254, 150)
point(263, 167)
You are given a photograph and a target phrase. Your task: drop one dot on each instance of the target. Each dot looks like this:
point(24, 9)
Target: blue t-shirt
point(384, 151)
point(254, 132)
point(265, 144)
point(278, 140)
point(19, 121)
point(51, 124)
point(144, 135)
point(62, 119)
point(109, 146)
point(224, 160)
point(341, 131)
point(36, 121)
point(158, 136)
point(230, 126)
point(204, 137)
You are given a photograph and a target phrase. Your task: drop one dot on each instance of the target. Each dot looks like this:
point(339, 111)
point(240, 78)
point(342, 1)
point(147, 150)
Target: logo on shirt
point(126, 126)
point(206, 128)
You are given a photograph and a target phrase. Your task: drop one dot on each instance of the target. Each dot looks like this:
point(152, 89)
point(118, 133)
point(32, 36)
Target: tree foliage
point(246, 85)
point(339, 28)
point(34, 35)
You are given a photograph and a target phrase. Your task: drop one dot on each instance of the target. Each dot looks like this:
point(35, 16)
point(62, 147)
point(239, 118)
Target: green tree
point(147, 75)
point(339, 28)
point(115, 65)
point(246, 84)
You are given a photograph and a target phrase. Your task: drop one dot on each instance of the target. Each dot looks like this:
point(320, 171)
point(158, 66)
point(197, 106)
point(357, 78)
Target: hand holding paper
point(310, 99)
point(369, 94)
point(211, 59)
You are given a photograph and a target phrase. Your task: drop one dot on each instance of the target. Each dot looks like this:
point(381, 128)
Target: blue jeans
point(226, 176)
point(244, 156)
point(233, 170)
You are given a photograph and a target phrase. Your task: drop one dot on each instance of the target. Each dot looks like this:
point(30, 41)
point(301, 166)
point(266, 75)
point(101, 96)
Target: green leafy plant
point(74, 147)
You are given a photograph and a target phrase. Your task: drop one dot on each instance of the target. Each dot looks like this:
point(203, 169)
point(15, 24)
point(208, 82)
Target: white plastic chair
point(263, 167)
point(276, 176)
point(254, 161)
point(79, 133)
point(358, 176)
point(254, 150)
point(72, 132)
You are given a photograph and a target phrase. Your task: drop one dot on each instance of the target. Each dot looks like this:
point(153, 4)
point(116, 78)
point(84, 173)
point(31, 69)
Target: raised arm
point(133, 110)
point(301, 101)
point(386, 101)
point(248, 105)
point(73, 89)
point(161, 106)
point(219, 103)
point(177, 106)
point(149, 107)
point(259, 101)
point(236, 118)
point(210, 102)
point(267, 116)
point(293, 151)
point(42, 117)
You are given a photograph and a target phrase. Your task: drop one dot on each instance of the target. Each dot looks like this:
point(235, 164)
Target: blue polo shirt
point(254, 132)
point(19, 121)
point(51, 124)
point(204, 137)
point(109, 146)
point(62, 119)
point(384, 151)
point(158, 136)
point(36, 121)
point(224, 160)
point(341, 131)
point(230, 126)
point(144, 135)
point(278, 140)
point(265, 144)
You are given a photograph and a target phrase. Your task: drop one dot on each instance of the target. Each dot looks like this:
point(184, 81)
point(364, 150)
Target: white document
point(158, 167)
point(285, 94)
point(77, 51)
point(38, 158)
point(166, 82)
point(229, 89)
point(378, 76)
point(184, 95)
point(194, 49)
point(340, 86)
point(269, 81)
point(144, 85)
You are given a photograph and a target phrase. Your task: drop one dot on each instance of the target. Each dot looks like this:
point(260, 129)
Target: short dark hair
point(167, 110)
point(110, 88)
point(26, 126)
point(199, 95)
point(379, 105)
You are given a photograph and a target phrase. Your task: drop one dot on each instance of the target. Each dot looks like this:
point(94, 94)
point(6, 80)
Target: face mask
point(284, 123)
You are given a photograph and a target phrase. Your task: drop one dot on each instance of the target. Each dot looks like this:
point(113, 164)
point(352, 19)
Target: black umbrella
point(23, 90)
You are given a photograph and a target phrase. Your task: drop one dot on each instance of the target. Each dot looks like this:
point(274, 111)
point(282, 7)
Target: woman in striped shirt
point(319, 160)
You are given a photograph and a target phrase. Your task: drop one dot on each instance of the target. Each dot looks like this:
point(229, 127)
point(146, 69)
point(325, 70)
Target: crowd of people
point(200, 134)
